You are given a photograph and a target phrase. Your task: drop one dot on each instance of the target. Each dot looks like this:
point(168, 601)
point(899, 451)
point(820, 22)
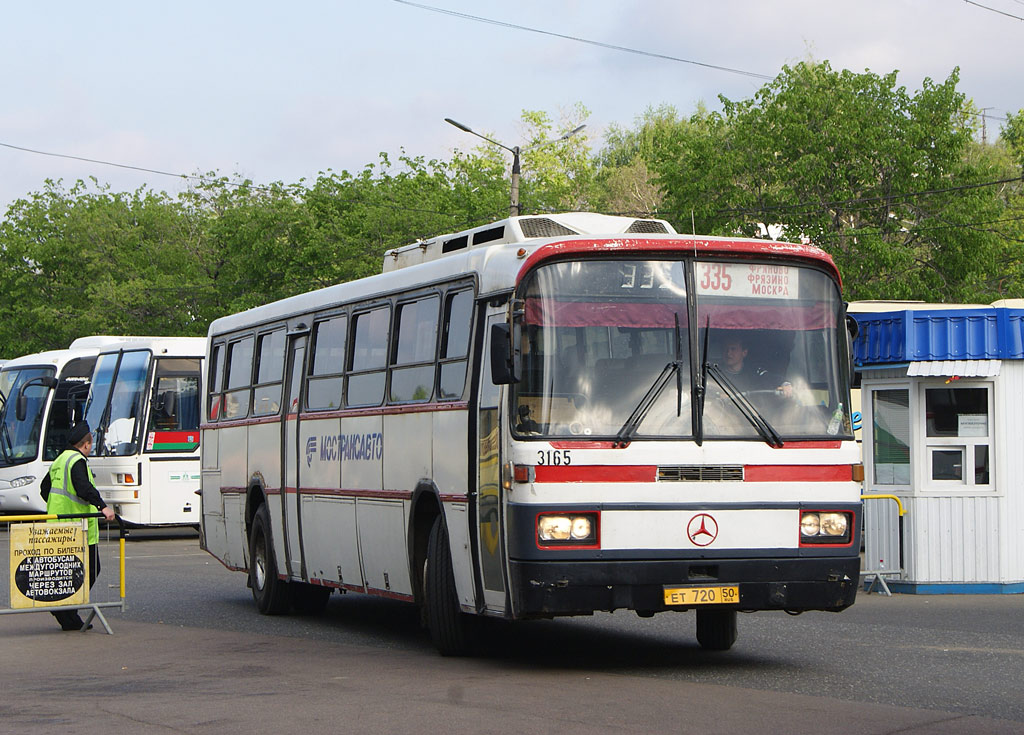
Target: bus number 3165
point(554, 457)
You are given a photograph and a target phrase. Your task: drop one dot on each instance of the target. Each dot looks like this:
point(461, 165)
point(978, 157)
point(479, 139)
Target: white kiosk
point(942, 395)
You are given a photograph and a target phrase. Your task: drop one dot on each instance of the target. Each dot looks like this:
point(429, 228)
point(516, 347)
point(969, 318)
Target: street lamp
point(515, 151)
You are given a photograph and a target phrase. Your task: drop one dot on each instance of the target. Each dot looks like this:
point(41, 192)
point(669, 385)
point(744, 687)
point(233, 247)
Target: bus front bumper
point(545, 589)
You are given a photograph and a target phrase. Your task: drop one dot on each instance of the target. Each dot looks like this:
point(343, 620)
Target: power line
point(226, 182)
point(601, 44)
point(577, 39)
point(985, 7)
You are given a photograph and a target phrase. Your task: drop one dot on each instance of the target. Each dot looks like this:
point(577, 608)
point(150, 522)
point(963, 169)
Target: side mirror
point(853, 327)
point(506, 357)
point(21, 407)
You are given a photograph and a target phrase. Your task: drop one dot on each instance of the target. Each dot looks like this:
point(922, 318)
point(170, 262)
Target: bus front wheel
point(716, 629)
point(270, 593)
point(450, 628)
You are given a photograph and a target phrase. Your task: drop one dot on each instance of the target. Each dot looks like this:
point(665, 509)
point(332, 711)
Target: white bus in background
point(52, 387)
point(531, 419)
point(144, 411)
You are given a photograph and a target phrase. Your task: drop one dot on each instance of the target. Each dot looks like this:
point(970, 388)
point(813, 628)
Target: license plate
point(702, 595)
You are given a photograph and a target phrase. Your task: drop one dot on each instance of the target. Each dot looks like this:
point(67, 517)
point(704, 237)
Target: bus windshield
point(19, 440)
point(608, 352)
point(115, 402)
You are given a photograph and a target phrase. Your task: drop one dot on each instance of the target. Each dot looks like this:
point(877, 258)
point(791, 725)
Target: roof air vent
point(647, 226)
point(456, 243)
point(543, 227)
point(494, 233)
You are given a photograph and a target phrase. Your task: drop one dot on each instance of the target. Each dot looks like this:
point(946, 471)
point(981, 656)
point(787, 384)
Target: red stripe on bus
point(341, 413)
point(587, 445)
point(831, 444)
point(596, 473)
point(389, 594)
point(353, 493)
point(798, 473)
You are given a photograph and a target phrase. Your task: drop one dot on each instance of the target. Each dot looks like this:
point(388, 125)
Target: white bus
point(144, 411)
point(538, 418)
point(52, 387)
point(149, 469)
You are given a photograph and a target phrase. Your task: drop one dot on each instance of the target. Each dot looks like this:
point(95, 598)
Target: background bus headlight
point(825, 527)
point(567, 529)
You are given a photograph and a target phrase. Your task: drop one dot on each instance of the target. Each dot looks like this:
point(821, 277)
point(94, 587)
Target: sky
point(274, 91)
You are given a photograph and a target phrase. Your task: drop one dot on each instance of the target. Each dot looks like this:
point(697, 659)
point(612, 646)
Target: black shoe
point(74, 624)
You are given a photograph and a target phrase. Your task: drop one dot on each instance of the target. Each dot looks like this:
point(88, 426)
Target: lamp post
point(515, 151)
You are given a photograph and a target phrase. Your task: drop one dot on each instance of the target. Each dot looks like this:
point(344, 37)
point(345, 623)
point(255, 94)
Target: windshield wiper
point(701, 387)
point(750, 413)
point(637, 417)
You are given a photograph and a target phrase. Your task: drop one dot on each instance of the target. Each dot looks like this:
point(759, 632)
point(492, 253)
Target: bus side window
point(369, 357)
point(323, 389)
point(458, 317)
point(175, 404)
point(239, 377)
point(266, 396)
point(415, 351)
point(215, 384)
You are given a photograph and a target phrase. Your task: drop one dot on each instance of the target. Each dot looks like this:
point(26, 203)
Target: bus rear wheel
point(450, 628)
point(270, 593)
point(716, 629)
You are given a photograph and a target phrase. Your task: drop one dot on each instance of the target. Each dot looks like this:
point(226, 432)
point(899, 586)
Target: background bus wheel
point(716, 629)
point(450, 628)
point(269, 592)
point(309, 599)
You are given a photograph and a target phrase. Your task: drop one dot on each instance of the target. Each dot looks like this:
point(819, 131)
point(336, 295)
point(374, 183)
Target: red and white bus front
point(680, 432)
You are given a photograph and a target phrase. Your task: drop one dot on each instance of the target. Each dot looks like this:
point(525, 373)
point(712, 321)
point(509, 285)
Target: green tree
point(83, 261)
point(877, 176)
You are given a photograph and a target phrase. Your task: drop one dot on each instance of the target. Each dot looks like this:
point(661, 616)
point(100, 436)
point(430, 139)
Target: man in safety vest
point(70, 488)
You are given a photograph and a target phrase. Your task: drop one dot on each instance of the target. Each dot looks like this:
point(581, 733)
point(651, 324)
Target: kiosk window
point(958, 430)
point(890, 410)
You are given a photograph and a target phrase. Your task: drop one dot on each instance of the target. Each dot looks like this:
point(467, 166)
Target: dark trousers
point(69, 619)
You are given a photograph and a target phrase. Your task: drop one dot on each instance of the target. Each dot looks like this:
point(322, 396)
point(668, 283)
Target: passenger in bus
point(79, 496)
point(747, 377)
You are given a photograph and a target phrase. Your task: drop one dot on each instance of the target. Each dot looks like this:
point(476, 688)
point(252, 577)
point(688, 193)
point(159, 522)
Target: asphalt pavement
point(189, 655)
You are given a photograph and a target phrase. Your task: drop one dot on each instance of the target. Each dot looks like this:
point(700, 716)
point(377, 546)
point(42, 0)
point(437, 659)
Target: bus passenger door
point(489, 495)
point(290, 455)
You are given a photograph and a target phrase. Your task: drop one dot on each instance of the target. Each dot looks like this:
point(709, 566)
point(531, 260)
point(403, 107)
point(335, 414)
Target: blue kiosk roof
point(971, 333)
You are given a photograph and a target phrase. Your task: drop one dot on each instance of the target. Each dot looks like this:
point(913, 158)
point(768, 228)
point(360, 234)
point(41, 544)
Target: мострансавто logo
point(347, 447)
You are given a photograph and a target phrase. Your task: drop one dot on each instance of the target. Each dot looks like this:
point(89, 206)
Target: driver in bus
point(745, 376)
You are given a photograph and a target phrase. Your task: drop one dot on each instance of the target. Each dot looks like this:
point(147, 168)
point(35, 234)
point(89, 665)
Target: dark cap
point(78, 433)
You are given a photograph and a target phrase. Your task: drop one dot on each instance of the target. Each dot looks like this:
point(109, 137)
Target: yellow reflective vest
point(63, 499)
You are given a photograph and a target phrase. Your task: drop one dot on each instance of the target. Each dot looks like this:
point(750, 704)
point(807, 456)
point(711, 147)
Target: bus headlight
point(23, 481)
point(825, 527)
point(567, 529)
point(834, 524)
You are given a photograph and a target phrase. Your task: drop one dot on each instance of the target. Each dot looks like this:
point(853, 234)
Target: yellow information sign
point(49, 564)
